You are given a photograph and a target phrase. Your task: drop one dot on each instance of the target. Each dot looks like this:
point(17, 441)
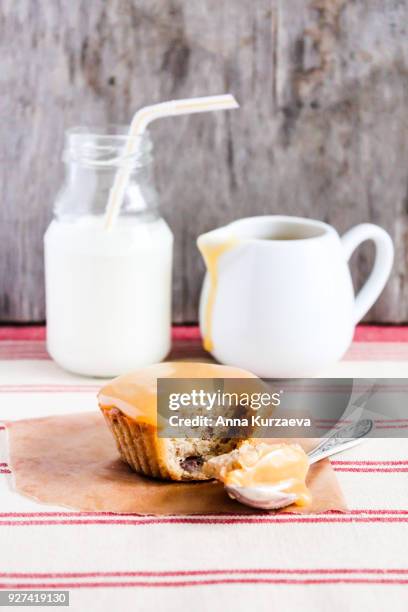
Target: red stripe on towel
point(363, 333)
point(379, 333)
point(267, 519)
point(372, 470)
point(404, 462)
point(36, 332)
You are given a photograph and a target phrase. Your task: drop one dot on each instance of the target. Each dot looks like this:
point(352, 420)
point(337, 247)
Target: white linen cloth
point(333, 561)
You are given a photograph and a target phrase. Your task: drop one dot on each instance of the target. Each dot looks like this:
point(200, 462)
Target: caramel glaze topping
point(135, 393)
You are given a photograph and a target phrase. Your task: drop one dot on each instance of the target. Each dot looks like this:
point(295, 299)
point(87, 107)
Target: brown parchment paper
point(72, 461)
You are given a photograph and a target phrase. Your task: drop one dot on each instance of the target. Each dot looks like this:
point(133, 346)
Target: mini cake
point(257, 464)
point(129, 406)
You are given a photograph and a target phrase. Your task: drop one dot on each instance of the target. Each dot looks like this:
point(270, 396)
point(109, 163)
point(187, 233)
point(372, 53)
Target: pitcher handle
point(384, 256)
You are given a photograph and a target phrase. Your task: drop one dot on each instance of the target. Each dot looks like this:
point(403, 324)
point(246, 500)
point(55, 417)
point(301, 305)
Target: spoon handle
point(341, 439)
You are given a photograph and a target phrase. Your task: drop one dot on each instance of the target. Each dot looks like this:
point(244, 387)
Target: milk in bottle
point(108, 293)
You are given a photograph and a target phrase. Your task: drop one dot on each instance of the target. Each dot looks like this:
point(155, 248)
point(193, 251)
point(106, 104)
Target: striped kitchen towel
point(332, 561)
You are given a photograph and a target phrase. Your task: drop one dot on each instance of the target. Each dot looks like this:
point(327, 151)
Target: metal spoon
point(268, 497)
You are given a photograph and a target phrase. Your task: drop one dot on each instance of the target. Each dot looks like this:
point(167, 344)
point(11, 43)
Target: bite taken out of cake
point(129, 406)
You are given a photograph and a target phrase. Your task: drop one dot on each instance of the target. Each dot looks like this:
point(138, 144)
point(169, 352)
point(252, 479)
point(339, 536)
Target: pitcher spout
point(211, 241)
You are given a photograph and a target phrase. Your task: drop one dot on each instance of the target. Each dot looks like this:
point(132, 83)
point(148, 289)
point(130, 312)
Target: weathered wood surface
point(323, 128)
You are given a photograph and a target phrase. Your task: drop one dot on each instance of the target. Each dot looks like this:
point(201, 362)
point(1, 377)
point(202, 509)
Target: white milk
point(108, 294)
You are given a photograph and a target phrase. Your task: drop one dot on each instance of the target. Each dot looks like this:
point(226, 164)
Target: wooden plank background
point(322, 132)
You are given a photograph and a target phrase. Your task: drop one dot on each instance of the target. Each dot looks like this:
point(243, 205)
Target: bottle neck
point(91, 165)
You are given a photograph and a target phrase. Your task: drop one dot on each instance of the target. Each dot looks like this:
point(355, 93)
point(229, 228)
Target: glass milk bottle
point(108, 292)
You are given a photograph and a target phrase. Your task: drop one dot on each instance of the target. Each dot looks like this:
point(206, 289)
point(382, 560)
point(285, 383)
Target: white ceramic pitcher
point(278, 297)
